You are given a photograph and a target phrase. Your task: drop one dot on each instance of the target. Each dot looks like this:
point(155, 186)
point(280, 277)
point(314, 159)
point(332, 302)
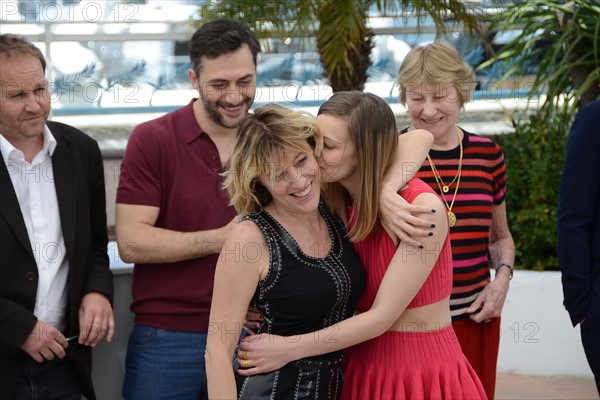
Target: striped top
point(482, 184)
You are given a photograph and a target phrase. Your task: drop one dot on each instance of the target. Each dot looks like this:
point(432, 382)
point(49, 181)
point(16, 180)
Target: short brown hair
point(262, 134)
point(437, 64)
point(15, 45)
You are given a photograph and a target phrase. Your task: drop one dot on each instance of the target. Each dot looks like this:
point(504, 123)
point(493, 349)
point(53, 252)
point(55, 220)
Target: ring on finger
point(246, 363)
point(244, 355)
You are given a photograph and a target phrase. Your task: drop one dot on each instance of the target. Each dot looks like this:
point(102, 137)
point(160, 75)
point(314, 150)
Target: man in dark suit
point(55, 283)
point(579, 230)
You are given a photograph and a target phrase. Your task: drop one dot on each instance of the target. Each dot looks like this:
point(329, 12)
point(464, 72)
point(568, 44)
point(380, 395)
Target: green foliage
point(563, 40)
point(348, 61)
point(534, 156)
point(344, 40)
point(267, 18)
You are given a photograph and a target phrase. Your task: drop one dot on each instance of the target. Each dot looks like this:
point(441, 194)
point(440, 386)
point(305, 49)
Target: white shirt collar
point(6, 148)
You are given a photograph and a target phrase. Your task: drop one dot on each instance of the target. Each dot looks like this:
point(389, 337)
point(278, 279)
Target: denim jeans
point(165, 364)
point(50, 380)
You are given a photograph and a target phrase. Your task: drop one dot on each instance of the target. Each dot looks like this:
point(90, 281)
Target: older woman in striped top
point(468, 172)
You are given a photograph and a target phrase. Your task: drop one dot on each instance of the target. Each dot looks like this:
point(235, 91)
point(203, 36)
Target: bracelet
point(510, 268)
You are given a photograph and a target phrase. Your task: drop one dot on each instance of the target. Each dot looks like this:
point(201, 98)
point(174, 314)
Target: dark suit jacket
point(579, 218)
point(79, 181)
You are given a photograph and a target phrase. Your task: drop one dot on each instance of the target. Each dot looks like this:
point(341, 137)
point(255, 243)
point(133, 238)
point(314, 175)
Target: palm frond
point(563, 39)
point(66, 82)
point(127, 76)
point(267, 18)
point(344, 43)
point(446, 15)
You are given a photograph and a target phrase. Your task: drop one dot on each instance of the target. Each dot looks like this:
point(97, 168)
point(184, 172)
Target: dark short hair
point(219, 37)
point(15, 45)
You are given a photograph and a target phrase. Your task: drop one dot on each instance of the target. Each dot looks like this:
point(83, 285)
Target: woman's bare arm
point(236, 278)
point(404, 277)
point(401, 220)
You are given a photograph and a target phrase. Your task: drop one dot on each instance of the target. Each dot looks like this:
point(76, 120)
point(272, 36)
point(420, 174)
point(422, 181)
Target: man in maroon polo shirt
point(172, 215)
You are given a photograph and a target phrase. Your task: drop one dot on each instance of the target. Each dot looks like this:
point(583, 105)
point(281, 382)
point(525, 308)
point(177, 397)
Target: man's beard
point(212, 110)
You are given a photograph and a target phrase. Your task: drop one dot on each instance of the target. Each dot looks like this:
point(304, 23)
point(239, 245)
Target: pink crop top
point(376, 252)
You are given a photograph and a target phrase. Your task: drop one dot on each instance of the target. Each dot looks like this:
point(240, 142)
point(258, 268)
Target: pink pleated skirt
point(410, 365)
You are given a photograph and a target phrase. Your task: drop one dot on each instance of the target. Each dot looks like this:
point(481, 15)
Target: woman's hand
point(263, 353)
point(490, 302)
point(253, 320)
point(400, 219)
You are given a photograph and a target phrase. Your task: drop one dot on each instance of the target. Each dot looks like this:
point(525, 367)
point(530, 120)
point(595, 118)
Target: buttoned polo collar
point(188, 126)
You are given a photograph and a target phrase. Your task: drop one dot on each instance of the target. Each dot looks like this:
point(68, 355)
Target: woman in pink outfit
point(400, 344)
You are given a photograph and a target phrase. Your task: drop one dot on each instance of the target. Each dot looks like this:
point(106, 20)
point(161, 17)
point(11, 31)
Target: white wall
point(537, 337)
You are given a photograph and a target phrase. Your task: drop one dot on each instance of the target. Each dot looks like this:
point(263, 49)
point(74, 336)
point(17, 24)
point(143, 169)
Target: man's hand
point(227, 229)
point(95, 319)
point(490, 302)
point(45, 342)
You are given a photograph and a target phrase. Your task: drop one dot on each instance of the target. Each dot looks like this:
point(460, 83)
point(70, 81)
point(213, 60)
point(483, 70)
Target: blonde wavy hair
point(263, 135)
point(437, 64)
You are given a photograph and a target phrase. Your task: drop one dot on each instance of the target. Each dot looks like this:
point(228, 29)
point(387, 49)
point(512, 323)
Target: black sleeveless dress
point(302, 294)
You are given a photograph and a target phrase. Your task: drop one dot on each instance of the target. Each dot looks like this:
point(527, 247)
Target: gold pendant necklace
point(445, 188)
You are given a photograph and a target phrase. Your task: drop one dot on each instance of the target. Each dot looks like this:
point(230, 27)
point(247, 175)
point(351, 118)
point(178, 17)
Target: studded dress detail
point(302, 294)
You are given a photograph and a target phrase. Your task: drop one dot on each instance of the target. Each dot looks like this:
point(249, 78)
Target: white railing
point(121, 57)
